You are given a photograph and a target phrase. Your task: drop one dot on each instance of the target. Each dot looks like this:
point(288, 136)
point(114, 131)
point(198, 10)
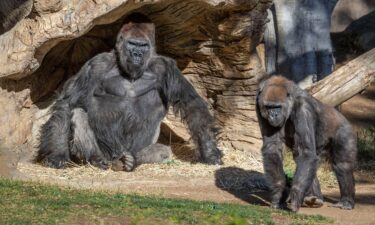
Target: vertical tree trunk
point(270, 40)
point(303, 45)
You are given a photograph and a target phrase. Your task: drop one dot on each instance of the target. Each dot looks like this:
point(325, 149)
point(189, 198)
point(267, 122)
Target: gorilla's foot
point(102, 164)
point(54, 162)
point(212, 156)
point(278, 206)
point(155, 153)
point(312, 202)
point(213, 160)
point(125, 163)
point(294, 200)
point(294, 206)
point(343, 204)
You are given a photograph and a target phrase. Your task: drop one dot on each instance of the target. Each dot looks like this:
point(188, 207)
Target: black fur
point(311, 129)
point(120, 98)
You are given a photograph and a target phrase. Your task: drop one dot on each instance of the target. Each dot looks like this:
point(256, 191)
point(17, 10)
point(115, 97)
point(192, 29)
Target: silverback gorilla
point(112, 109)
point(289, 115)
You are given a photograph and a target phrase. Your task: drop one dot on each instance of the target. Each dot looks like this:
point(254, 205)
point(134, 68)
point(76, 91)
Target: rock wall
point(213, 41)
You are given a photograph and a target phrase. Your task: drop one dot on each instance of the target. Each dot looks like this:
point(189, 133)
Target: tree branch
point(346, 81)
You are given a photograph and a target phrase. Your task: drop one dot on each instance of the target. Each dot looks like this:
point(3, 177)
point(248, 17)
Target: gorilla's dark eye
point(132, 43)
point(273, 107)
point(138, 43)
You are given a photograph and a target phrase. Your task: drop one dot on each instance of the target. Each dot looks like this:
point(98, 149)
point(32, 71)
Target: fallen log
point(346, 81)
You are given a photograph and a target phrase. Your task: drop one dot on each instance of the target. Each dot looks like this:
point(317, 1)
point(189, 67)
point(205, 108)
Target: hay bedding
point(234, 174)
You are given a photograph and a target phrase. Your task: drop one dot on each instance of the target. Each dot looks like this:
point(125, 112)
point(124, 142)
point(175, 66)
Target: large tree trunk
point(213, 41)
point(298, 44)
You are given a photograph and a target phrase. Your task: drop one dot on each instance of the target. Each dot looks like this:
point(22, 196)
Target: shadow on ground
point(247, 185)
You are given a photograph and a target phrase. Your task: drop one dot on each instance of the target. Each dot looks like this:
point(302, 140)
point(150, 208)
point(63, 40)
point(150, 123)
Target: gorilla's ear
point(262, 82)
point(291, 88)
point(260, 89)
point(261, 86)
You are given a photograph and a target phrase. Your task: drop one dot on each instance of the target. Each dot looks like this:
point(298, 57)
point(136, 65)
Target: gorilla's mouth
point(137, 60)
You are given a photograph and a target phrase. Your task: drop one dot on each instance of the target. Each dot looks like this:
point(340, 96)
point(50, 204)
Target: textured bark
point(303, 46)
point(347, 81)
point(270, 41)
point(213, 41)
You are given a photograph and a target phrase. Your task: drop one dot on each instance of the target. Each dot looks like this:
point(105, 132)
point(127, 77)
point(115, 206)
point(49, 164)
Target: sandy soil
point(363, 214)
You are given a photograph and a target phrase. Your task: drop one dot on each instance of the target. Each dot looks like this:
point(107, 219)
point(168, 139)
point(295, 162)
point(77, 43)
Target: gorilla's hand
point(212, 156)
point(295, 200)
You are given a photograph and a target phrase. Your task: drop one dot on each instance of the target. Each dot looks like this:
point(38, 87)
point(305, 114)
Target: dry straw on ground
point(238, 168)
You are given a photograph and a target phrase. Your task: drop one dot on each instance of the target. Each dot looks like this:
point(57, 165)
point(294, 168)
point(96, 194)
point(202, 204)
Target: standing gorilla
point(112, 109)
point(289, 115)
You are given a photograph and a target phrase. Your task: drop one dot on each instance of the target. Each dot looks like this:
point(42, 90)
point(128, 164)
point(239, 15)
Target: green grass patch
point(31, 203)
point(366, 145)
point(325, 174)
point(366, 152)
point(366, 160)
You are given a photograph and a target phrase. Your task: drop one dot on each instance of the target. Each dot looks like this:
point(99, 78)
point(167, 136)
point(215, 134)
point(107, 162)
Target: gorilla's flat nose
point(273, 113)
point(138, 54)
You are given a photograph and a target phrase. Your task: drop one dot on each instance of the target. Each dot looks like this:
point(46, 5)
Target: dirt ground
point(214, 187)
point(239, 181)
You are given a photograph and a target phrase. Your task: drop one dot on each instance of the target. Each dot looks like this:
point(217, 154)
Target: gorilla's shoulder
point(102, 62)
point(160, 64)
point(105, 57)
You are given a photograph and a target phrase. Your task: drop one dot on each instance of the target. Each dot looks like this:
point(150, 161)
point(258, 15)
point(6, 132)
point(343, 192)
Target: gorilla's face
point(137, 51)
point(275, 101)
point(134, 47)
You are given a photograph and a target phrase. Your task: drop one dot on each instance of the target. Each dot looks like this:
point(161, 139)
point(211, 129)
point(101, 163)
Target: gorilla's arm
point(194, 111)
point(55, 134)
point(307, 159)
point(272, 152)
